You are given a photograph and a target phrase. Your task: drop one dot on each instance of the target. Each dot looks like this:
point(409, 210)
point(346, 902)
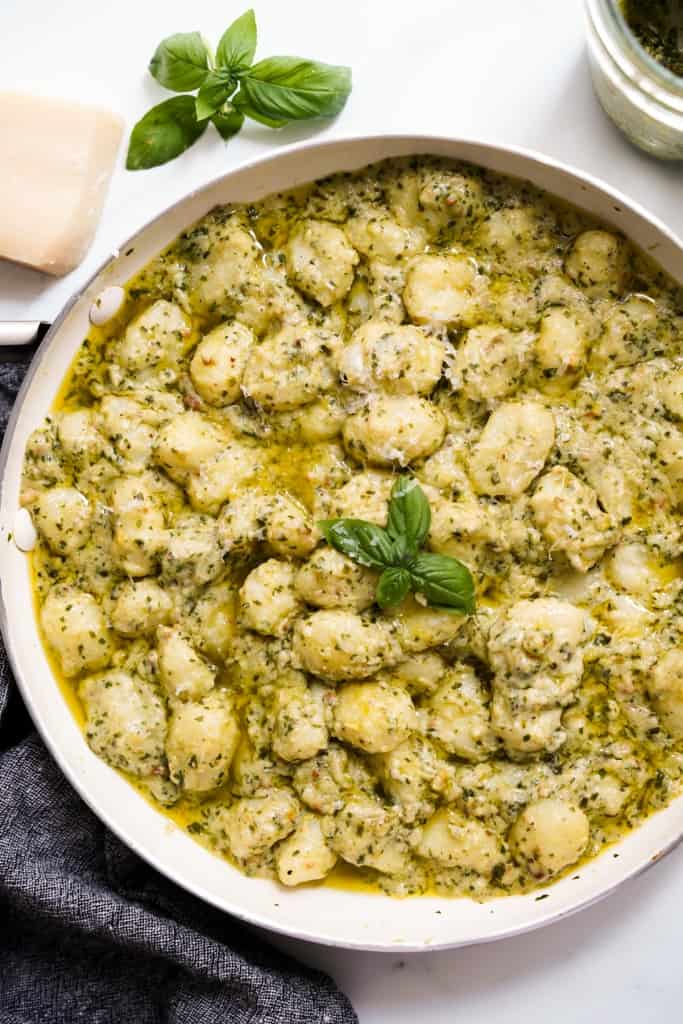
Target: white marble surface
point(501, 71)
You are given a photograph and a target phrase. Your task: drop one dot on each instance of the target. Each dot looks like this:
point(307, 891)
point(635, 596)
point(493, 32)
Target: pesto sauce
point(520, 239)
point(658, 27)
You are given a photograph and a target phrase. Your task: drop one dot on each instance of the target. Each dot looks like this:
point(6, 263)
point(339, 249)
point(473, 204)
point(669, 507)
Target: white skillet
point(341, 918)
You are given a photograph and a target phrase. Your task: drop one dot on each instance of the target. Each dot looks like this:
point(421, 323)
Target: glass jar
point(643, 98)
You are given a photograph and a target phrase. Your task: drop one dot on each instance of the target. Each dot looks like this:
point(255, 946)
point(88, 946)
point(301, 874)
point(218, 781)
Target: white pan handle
point(21, 332)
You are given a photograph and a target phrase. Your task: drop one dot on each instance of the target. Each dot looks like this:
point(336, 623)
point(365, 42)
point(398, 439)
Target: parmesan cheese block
point(56, 159)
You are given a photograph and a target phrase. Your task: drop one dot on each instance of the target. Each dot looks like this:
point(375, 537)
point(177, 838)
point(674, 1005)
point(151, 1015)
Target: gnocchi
point(394, 431)
point(513, 448)
point(443, 290)
point(219, 361)
point(396, 358)
point(549, 835)
point(76, 630)
point(202, 739)
point(304, 856)
point(140, 606)
point(320, 259)
point(341, 645)
point(125, 722)
point(490, 362)
point(374, 717)
point(278, 366)
point(450, 838)
point(568, 513)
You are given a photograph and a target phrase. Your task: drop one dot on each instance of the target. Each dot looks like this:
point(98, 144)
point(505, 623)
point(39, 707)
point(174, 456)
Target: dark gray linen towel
point(90, 934)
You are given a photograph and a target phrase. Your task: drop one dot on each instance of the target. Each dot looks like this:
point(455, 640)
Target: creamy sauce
point(278, 364)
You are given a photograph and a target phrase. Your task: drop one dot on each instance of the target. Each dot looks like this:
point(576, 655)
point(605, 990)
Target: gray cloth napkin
point(90, 933)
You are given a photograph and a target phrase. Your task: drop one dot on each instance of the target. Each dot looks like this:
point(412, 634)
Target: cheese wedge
point(56, 159)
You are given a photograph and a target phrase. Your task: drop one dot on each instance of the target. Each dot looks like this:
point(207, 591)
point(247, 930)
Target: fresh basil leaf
point(444, 581)
point(228, 123)
point(165, 132)
point(365, 543)
point(409, 515)
point(213, 92)
point(393, 585)
point(294, 89)
point(242, 104)
point(237, 46)
point(180, 62)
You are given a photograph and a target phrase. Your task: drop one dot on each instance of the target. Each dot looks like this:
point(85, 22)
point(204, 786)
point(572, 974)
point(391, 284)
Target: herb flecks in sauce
point(658, 27)
point(294, 361)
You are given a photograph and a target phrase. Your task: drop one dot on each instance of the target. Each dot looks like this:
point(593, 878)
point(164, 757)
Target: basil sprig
point(237, 45)
point(443, 581)
point(165, 132)
point(230, 87)
point(365, 543)
point(291, 89)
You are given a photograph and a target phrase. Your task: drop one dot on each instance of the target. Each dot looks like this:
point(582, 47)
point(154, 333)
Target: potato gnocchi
point(278, 364)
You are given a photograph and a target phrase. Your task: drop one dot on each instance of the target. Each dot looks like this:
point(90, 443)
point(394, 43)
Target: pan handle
point(20, 338)
point(21, 332)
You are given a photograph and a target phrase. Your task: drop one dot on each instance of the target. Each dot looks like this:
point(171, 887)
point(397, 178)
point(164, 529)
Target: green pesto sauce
point(520, 238)
point(655, 24)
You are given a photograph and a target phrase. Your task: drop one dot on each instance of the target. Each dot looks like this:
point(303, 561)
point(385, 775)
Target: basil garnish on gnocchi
point(272, 487)
point(440, 580)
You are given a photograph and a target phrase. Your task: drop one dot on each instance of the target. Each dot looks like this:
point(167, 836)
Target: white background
point(498, 70)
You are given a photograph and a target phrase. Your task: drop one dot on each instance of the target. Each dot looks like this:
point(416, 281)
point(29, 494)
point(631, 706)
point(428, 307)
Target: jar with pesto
point(636, 62)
